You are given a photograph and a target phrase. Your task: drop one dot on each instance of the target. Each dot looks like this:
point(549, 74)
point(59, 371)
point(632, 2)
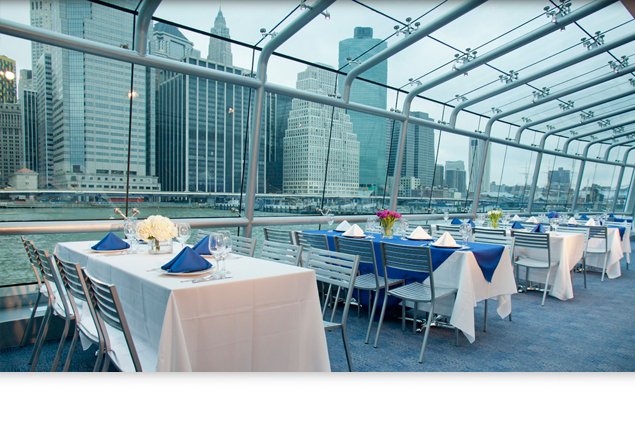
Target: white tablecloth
point(616, 252)
point(462, 271)
point(265, 318)
point(567, 250)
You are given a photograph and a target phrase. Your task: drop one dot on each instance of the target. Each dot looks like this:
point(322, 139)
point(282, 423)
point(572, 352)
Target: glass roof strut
point(261, 76)
point(476, 62)
point(148, 7)
point(408, 41)
point(587, 54)
point(616, 145)
point(569, 112)
point(567, 143)
point(631, 193)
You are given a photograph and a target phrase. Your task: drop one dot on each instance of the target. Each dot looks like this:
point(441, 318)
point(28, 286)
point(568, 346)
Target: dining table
point(478, 271)
point(618, 244)
point(265, 316)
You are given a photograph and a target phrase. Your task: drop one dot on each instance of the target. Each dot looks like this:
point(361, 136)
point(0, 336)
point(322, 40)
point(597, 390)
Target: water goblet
point(330, 218)
point(228, 249)
point(554, 224)
point(480, 220)
point(216, 247)
point(403, 228)
point(183, 233)
point(130, 230)
point(466, 230)
point(446, 216)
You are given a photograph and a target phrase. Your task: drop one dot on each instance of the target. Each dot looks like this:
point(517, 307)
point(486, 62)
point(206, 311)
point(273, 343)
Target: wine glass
point(130, 230)
point(480, 220)
point(228, 249)
point(371, 225)
point(403, 228)
point(554, 224)
point(216, 247)
point(446, 216)
point(330, 218)
point(183, 233)
point(466, 230)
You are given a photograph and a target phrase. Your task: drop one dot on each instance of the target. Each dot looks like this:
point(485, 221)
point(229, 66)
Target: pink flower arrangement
point(387, 218)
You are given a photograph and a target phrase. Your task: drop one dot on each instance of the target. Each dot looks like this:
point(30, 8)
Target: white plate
point(340, 231)
point(355, 237)
point(112, 251)
point(412, 238)
point(193, 274)
point(446, 246)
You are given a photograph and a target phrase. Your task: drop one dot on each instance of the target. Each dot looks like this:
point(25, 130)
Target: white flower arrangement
point(156, 227)
point(494, 215)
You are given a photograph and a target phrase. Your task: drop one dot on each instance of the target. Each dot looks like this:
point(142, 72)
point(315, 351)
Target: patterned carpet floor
point(593, 332)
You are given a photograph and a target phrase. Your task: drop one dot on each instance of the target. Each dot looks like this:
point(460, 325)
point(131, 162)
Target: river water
point(15, 268)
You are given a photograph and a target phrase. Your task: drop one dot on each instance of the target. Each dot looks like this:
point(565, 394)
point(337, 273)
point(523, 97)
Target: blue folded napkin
point(187, 261)
point(110, 243)
point(538, 229)
point(456, 221)
point(584, 217)
point(202, 248)
point(517, 226)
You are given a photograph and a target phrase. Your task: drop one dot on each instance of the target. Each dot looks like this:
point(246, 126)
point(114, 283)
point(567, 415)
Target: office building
point(370, 130)
point(311, 136)
point(11, 150)
point(28, 105)
point(455, 176)
point(7, 80)
point(220, 50)
point(474, 163)
point(168, 41)
point(40, 17)
point(439, 176)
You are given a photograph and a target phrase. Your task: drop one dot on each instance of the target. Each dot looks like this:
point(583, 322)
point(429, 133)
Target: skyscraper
point(315, 130)
point(40, 17)
point(475, 161)
point(370, 130)
point(90, 104)
point(43, 82)
point(7, 80)
point(455, 175)
point(11, 154)
point(220, 51)
point(28, 104)
point(439, 176)
point(168, 41)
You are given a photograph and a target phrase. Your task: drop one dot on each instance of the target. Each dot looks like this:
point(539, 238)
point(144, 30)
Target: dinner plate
point(412, 238)
point(446, 246)
point(112, 251)
point(355, 237)
point(195, 274)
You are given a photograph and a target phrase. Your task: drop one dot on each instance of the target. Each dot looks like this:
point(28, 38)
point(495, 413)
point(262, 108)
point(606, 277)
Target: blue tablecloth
point(621, 229)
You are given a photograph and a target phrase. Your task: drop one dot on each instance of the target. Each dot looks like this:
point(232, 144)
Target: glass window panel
point(597, 190)
point(625, 190)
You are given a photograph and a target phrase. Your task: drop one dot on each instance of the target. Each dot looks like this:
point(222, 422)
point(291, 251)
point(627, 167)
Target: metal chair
point(337, 269)
point(41, 291)
point(281, 252)
point(627, 229)
point(489, 231)
point(201, 234)
point(57, 306)
point(495, 239)
point(243, 245)
point(454, 233)
point(370, 282)
point(528, 225)
point(310, 240)
point(119, 346)
point(80, 300)
point(282, 236)
point(584, 231)
point(538, 241)
point(599, 233)
point(413, 259)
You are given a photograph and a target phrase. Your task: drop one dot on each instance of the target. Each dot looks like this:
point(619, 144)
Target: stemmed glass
point(505, 221)
point(216, 245)
point(330, 218)
point(130, 230)
point(480, 219)
point(554, 224)
point(371, 225)
point(183, 233)
point(403, 228)
point(446, 216)
point(466, 230)
point(227, 235)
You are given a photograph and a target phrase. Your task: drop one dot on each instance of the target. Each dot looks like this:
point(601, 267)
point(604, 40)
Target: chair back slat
point(334, 268)
point(531, 240)
point(363, 248)
point(496, 239)
point(281, 252)
point(480, 231)
point(597, 232)
point(71, 279)
point(403, 257)
point(282, 236)
point(243, 245)
point(455, 234)
point(449, 228)
point(108, 307)
point(312, 240)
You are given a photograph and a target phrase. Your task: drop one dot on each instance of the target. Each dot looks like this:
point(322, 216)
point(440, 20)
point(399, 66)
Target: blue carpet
point(593, 332)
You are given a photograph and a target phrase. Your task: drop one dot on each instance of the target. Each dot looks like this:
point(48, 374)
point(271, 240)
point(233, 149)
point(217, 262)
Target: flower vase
point(159, 247)
point(386, 232)
point(495, 223)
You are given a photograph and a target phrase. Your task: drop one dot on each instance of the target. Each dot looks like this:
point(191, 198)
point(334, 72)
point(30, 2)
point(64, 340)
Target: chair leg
point(606, 257)
point(337, 299)
point(100, 354)
point(70, 351)
point(456, 336)
point(425, 336)
point(106, 362)
point(67, 324)
point(37, 348)
point(381, 317)
point(348, 353)
point(359, 303)
point(27, 330)
point(414, 318)
point(485, 317)
point(403, 316)
point(510, 316)
point(544, 295)
point(584, 269)
point(327, 300)
point(372, 315)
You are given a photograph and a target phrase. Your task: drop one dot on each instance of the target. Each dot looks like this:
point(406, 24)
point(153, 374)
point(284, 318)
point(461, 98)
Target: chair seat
point(418, 292)
point(120, 354)
point(328, 326)
point(367, 282)
point(596, 251)
point(86, 325)
point(534, 264)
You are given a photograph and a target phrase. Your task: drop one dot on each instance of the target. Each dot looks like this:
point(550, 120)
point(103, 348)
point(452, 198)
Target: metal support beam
point(254, 145)
point(148, 7)
point(608, 150)
point(565, 148)
point(408, 41)
point(619, 183)
point(556, 68)
point(569, 112)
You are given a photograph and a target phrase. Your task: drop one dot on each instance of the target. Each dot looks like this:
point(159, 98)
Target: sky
point(246, 18)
